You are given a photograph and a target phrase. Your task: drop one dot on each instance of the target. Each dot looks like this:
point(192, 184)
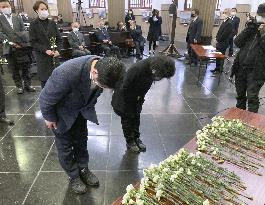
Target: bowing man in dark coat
point(154, 30)
point(42, 32)
point(16, 47)
point(128, 18)
point(106, 45)
point(235, 24)
point(77, 41)
point(128, 96)
point(194, 34)
point(222, 39)
point(138, 39)
point(67, 101)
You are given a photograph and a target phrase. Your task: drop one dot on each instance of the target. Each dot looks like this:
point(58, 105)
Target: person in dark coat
point(154, 30)
point(106, 45)
point(67, 101)
point(222, 39)
point(194, 34)
point(128, 18)
point(42, 33)
point(16, 48)
point(128, 96)
point(235, 24)
point(121, 27)
point(138, 39)
point(249, 63)
point(77, 41)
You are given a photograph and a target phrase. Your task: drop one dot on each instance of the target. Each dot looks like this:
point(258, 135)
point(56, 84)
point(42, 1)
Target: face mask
point(75, 29)
point(6, 11)
point(43, 14)
point(192, 15)
point(233, 13)
point(260, 19)
point(130, 13)
point(224, 16)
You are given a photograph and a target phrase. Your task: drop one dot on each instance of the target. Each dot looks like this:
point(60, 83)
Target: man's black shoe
point(132, 146)
point(88, 177)
point(140, 145)
point(30, 89)
point(19, 90)
point(78, 186)
point(6, 121)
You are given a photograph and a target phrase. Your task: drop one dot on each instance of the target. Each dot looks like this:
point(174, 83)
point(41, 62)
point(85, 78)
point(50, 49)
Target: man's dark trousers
point(247, 90)
point(221, 46)
point(72, 148)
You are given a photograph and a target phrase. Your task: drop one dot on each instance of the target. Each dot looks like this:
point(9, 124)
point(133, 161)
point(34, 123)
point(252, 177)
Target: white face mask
point(224, 16)
point(6, 11)
point(75, 29)
point(233, 13)
point(43, 14)
point(260, 19)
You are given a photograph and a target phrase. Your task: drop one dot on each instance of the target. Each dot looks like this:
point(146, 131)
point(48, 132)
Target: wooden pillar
point(28, 7)
point(116, 11)
point(65, 8)
point(207, 12)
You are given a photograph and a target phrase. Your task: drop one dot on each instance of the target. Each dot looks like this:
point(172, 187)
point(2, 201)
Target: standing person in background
point(222, 39)
point(121, 27)
point(138, 39)
point(154, 30)
point(42, 33)
point(60, 19)
point(194, 34)
point(235, 24)
point(77, 41)
point(128, 18)
point(16, 47)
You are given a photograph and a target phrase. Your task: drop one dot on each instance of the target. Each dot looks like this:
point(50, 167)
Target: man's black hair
point(163, 66)
point(234, 9)
point(5, 1)
point(110, 71)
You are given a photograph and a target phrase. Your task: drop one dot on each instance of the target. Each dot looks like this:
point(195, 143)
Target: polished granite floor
point(173, 111)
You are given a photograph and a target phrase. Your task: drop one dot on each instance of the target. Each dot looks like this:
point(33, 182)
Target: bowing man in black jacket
point(222, 39)
point(128, 96)
point(194, 34)
point(235, 24)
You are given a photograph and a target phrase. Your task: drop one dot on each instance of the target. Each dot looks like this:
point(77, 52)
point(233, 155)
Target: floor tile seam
point(18, 121)
point(35, 179)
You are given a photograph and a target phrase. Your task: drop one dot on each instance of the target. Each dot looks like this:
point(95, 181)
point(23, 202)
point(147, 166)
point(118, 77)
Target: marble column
point(28, 7)
point(65, 8)
point(207, 11)
point(116, 11)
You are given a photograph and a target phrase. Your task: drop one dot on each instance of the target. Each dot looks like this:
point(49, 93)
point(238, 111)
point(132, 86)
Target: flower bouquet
point(234, 142)
point(187, 178)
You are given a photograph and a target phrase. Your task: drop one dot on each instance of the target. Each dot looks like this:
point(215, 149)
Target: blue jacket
point(67, 93)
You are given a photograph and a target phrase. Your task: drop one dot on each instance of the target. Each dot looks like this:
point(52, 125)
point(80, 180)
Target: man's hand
point(56, 54)
point(16, 45)
point(110, 42)
point(81, 47)
point(51, 125)
point(49, 53)
point(105, 41)
point(195, 41)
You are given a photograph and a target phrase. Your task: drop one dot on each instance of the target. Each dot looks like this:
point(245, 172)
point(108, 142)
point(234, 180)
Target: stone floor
point(173, 111)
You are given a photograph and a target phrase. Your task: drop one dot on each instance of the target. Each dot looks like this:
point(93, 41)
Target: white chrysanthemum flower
point(156, 178)
point(166, 170)
point(206, 202)
point(129, 188)
point(189, 172)
point(159, 194)
point(131, 201)
point(139, 202)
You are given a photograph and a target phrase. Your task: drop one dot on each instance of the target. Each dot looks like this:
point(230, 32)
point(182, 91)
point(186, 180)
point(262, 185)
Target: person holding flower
point(46, 41)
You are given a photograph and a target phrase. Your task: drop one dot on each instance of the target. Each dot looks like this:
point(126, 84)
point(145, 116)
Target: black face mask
point(192, 15)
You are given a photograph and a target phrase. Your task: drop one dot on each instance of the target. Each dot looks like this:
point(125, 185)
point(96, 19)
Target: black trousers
point(72, 148)
point(231, 46)
point(2, 99)
point(111, 50)
point(15, 67)
point(139, 47)
point(247, 90)
point(192, 55)
point(221, 46)
point(150, 45)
